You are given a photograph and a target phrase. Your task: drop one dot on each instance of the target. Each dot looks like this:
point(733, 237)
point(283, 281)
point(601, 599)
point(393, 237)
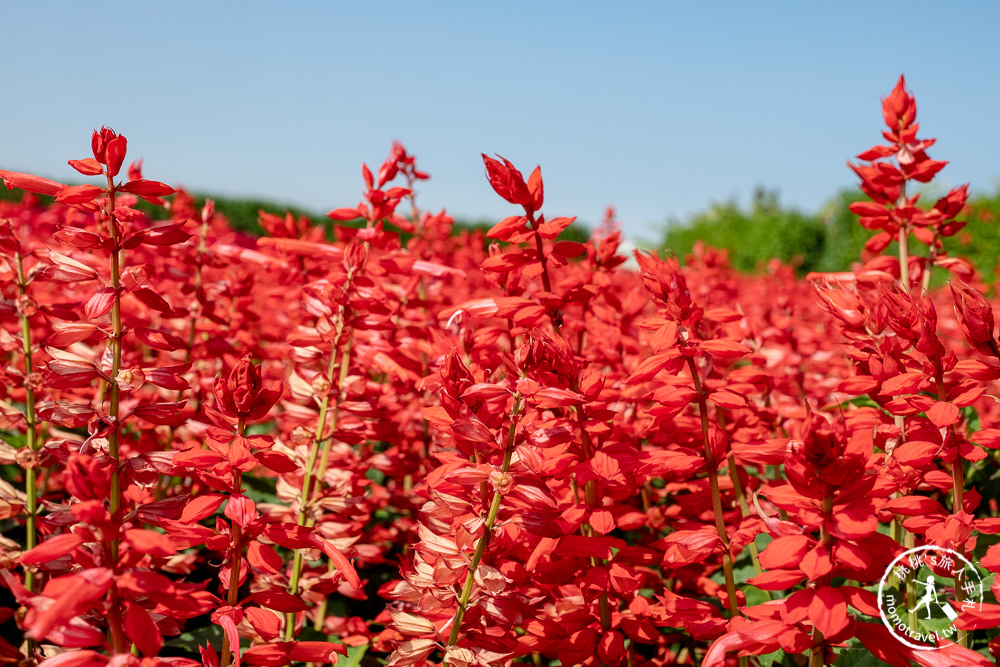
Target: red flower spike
point(899, 109)
point(508, 182)
point(975, 314)
point(243, 394)
point(109, 149)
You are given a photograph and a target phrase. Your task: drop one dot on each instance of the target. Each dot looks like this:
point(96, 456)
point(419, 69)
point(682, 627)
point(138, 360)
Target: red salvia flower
point(243, 395)
point(975, 314)
point(508, 182)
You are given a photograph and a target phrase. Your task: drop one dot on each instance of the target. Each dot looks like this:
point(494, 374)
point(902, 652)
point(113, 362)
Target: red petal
point(344, 214)
point(77, 194)
point(169, 414)
point(264, 558)
point(785, 552)
point(78, 658)
point(147, 189)
point(141, 629)
point(31, 183)
point(536, 189)
point(338, 559)
point(87, 166)
point(726, 349)
point(602, 521)
point(51, 549)
point(552, 228)
point(828, 611)
point(241, 510)
point(100, 303)
point(281, 601)
point(200, 507)
point(264, 621)
point(776, 580)
point(503, 230)
point(943, 414)
point(150, 542)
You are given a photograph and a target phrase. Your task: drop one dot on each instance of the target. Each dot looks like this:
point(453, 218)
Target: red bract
point(242, 395)
point(109, 149)
point(508, 182)
point(975, 314)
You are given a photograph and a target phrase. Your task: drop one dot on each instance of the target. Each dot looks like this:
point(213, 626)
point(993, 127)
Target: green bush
point(831, 240)
point(754, 237)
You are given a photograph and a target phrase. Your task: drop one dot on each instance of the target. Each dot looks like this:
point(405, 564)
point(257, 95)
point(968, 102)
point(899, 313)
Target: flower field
point(395, 444)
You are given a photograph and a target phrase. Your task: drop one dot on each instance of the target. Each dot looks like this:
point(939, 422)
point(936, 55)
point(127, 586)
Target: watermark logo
point(922, 593)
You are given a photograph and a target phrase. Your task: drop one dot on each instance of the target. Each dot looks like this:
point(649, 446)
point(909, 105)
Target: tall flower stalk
point(25, 308)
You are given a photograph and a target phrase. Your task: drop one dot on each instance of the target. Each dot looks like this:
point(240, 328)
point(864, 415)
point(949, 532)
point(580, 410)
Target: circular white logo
point(943, 583)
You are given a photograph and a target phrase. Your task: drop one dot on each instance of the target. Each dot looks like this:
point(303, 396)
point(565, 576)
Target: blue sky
point(656, 108)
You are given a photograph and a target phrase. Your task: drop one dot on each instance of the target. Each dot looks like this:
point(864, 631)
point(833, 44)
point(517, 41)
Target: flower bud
point(243, 395)
point(975, 314)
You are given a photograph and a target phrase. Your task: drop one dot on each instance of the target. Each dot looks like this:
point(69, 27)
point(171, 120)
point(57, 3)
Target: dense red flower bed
point(408, 446)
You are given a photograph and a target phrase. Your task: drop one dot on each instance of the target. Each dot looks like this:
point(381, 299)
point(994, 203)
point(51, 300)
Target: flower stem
point(236, 558)
point(741, 501)
point(713, 480)
point(904, 257)
point(817, 653)
point(321, 438)
point(31, 472)
point(590, 496)
point(540, 249)
point(491, 519)
point(115, 500)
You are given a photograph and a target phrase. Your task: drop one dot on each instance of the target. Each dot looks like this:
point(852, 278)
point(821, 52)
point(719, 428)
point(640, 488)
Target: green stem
point(546, 283)
point(345, 365)
point(114, 440)
point(904, 257)
point(590, 497)
point(32, 440)
point(817, 653)
point(318, 438)
point(30, 473)
point(713, 480)
point(931, 258)
point(236, 557)
point(957, 485)
point(904, 243)
point(909, 541)
point(116, 623)
point(491, 518)
point(322, 439)
point(320, 619)
point(741, 501)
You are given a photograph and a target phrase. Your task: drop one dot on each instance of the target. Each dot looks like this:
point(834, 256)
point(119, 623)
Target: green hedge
point(829, 240)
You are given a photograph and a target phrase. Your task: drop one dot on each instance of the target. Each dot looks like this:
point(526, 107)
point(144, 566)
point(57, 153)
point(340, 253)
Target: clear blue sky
point(657, 108)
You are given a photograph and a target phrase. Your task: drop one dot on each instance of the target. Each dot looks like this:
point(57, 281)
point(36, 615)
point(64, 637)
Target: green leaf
point(353, 657)
point(755, 596)
point(261, 489)
point(859, 657)
point(191, 640)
